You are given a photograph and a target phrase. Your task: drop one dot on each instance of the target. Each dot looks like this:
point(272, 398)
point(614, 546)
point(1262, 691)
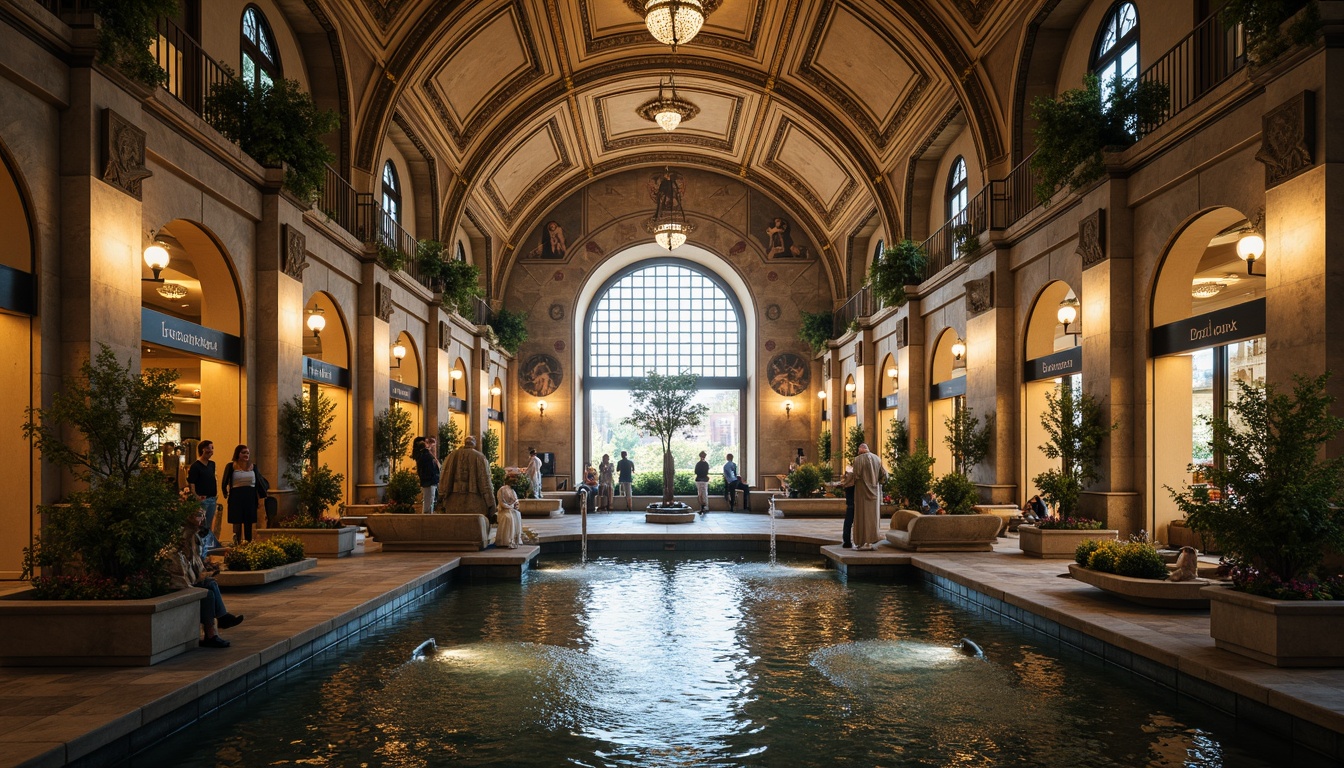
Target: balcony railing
point(192, 73)
point(482, 315)
point(861, 304)
point(387, 232)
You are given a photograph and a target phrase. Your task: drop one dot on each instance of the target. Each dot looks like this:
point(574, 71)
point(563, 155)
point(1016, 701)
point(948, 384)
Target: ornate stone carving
point(772, 312)
point(382, 304)
point(123, 154)
point(858, 353)
point(826, 369)
point(980, 295)
point(294, 253)
point(445, 336)
point(974, 10)
point(1288, 139)
point(1092, 238)
point(557, 311)
point(902, 332)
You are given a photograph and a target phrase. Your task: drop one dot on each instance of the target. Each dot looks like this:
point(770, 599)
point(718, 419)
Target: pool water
point(706, 661)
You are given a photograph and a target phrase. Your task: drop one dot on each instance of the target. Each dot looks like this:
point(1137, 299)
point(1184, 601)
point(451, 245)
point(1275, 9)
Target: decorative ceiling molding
point(508, 212)
point(384, 11)
point(641, 37)
point(658, 137)
point(800, 186)
point(974, 11)
point(918, 155)
point(855, 107)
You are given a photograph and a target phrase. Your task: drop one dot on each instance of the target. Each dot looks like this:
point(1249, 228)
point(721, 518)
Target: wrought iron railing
point(861, 304)
point(384, 230)
point(192, 73)
point(340, 202)
point(482, 315)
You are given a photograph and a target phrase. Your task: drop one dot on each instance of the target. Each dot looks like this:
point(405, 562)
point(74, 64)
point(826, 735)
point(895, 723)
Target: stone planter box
point(317, 542)
point(1285, 633)
point(1158, 594)
point(228, 579)
point(1057, 545)
point(820, 507)
point(541, 507)
point(669, 518)
point(98, 633)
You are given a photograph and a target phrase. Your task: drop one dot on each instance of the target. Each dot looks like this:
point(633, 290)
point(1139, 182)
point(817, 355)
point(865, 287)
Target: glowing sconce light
point(1067, 313)
point(1249, 248)
point(676, 22)
point(822, 394)
point(959, 349)
point(456, 376)
point(849, 387)
point(788, 409)
point(892, 372)
point(398, 354)
point(541, 408)
point(316, 321)
point(156, 258)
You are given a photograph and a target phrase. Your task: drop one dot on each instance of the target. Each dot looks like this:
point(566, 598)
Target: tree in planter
point(107, 541)
point(127, 31)
point(450, 437)
point(898, 266)
point(817, 329)
point(391, 438)
point(490, 446)
point(1278, 513)
point(1074, 429)
point(806, 481)
point(510, 329)
point(967, 440)
point(912, 476)
point(896, 443)
point(957, 493)
point(276, 123)
point(306, 431)
point(402, 493)
point(663, 405)
point(824, 447)
point(852, 442)
point(1074, 128)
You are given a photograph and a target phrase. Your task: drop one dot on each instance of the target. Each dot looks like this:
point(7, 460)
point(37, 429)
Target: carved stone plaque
point(1092, 238)
point(445, 336)
point(382, 303)
point(902, 332)
point(858, 353)
point(980, 295)
point(1288, 139)
point(123, 154)
point(294, 256)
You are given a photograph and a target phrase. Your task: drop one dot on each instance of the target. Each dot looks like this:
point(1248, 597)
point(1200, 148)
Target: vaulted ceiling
point(818, 103)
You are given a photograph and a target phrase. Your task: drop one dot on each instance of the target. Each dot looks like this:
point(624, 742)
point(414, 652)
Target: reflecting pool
point(682, 660)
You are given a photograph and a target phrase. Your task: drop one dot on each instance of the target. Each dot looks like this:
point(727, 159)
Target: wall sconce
point(1249, 248)
point(959, 349)
point(456, 376)
point(316, 321)
point(495, 391)
point(196, 393)
point(157, 258)
point(849, 387)
point(788, 409)
point(822, 394)
point(541, 408)
point(1067, 313)
point(398, 354)
point(892, 372)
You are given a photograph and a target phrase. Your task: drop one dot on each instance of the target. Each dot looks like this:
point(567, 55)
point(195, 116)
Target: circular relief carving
point(540, 375)
point(559, 346)
point(557, 312)
point(770, 346)
point(788, 374)
point(559, 275)
point(772, 312)
point(772, 276)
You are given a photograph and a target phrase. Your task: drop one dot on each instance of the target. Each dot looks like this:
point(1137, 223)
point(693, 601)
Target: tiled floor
point(49, 716)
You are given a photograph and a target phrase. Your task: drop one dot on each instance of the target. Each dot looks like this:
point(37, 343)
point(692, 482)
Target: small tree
point(967, 440)
point(450, 437)
point(1074, 429)
point(306, 431)
point(824, 447)
point(853, 439)
point(663, 405)
point(898, 266)
point(490, 446)
point(957, 493)
point(896, 443)
point(391, 438)
point(912, 475)
point(817, 329)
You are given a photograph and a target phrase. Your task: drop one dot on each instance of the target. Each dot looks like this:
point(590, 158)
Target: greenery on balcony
point(1265, 22)
point(898, 266)
point(817, 329)
point(510, 329)
point(129, 29)
point(457, 281)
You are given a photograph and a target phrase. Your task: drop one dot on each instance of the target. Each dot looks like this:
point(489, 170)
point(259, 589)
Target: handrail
point(192, 73)
point(483, 315)
point(386, 231)
point(947, 244)
point(859, 305)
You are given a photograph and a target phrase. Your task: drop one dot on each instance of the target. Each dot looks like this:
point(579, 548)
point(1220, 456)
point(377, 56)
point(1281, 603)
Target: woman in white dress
point(509, 533)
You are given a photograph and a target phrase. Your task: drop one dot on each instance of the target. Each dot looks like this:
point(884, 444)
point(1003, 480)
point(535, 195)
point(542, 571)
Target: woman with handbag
point(243, 489)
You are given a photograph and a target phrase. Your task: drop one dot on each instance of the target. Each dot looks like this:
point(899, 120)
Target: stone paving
point(50, 716)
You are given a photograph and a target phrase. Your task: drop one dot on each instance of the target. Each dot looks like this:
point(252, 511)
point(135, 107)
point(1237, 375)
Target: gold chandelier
point(669, 225)
point(673, 22)
point(668, 111)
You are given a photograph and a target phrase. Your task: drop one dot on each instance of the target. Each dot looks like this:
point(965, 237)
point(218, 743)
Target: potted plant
point(1134, 570)
point(1277, 519)
point(254, 563)
point(824, 447)
point(402, 493)
point(305, 431)
point(957, 494)
point(391, 438)
point(898, 266)
point(490, 447)
point(817, 328)
point(968, 441)
point(1268, 33)
point(1075, 430)
point(663, 405)
point(510, 329)
point(912, 476)
point(98, 568)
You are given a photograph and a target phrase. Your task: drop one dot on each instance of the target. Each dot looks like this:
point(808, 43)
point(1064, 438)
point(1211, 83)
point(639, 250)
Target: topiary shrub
point(806, 481)
point(403, 487)
point(957, 493)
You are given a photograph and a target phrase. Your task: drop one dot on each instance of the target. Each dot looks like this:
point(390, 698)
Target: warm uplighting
point(959, 349)
point(456, 376)
point(541, 408)
point(398, 354)
point(1067, 313)
point(788, 409)
point(172, 291)
point(1249, 249)
point(316, 321)
point(674, 22)
point(156, 258)
point(495, 391)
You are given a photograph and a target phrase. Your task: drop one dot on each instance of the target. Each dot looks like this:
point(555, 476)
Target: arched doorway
point(191, 321)
point(18, 257)
point(1207, 333)
point(326, 373)
point(850, 414)
point(947, 395)
point(495, 420)
point(403, 387)
point(1053, 359)
point(458, 404)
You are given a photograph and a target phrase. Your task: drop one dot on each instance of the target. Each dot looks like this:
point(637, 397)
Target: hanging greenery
point(128, 29)
point(510, 329)
point(276, 123)
point(1263, 21)
point(817, 329)
point(458, 281)
point(898, 266)
point(1074, 128)
point(391, 257)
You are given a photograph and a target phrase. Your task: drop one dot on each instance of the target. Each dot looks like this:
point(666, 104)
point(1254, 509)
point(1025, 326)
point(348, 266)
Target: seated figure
point(588, 490)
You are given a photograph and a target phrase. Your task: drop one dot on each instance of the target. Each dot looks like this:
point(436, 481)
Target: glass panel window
point(1117, 52)
point(1202, 388)
point(391, 200)
point(1245, 365)
point(957, 191)
point(260, 57)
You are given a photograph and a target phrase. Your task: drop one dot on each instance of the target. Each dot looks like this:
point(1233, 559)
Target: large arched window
point(391, 200)
point(957, 191)
point(261, 59)
point(668, 316)
point(1116, 55)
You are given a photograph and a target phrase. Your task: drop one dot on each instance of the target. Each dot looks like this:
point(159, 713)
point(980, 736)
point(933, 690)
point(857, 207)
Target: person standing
point(467, 474)
point(604, 483)
point(869, 475)
point(847, 483)
point(426, 454)
point(534, 472)
point(201, 479)
point(731, 483)
point(625, 471)
point(244, 488)
point(702, 483)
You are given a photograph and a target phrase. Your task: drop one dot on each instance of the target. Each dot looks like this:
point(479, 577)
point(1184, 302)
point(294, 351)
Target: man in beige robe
point(869, 475)
point(466, 475)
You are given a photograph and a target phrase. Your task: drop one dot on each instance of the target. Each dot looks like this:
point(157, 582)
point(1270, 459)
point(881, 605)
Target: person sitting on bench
point(731, 483)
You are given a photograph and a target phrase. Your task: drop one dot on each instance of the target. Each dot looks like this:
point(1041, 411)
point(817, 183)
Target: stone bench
point(1005, 512)
point(430, 533)
point(551, 506)
point(943, 533)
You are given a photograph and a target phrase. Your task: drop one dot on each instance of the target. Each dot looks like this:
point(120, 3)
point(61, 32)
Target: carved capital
point(1092, 238)
point(382, 304)
point(1288, 139)
point(123, 154)
point(294, 252)
point(980, 295)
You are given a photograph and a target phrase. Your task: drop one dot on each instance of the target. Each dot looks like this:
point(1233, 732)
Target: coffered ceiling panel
point(483, 69)
point(811, 169)
point(535, 161)
point(715, 127)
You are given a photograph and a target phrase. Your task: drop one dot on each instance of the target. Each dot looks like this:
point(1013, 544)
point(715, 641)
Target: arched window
point(1117, 52)
point(957, 191)
point(261, 59)
point(461, 253)
point(391, 199)
point(668, 316)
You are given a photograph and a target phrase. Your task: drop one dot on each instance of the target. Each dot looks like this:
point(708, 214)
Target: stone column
point(990, 372)
point(912, 398)
point(373, 346)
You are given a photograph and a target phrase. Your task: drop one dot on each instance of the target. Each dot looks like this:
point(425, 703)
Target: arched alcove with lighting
point(947, 394)
point(850, 398)
point(495, 419)
point(406, 378)
point(888, 387)
point(459, 392)
point(326, 373)
point(18, 257)
point(1053, 360)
